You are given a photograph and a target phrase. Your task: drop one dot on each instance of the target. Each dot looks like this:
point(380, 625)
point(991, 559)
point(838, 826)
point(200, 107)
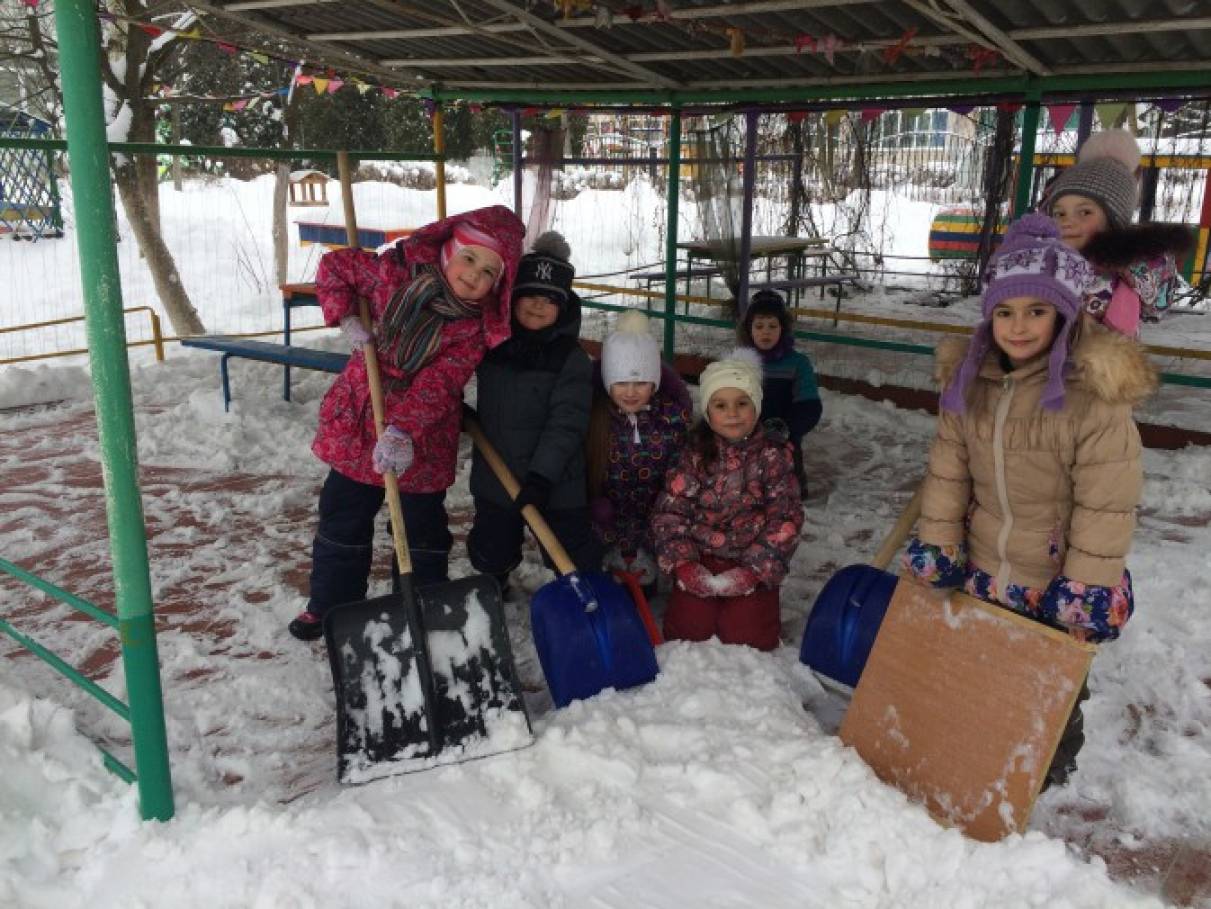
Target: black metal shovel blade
point(382, 722)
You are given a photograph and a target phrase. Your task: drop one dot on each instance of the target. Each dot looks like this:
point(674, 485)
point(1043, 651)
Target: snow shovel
point(587, 631)
point(845, 619)
point(422, 677)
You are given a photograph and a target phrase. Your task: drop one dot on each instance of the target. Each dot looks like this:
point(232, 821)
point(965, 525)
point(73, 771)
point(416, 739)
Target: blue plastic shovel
point(845, 619)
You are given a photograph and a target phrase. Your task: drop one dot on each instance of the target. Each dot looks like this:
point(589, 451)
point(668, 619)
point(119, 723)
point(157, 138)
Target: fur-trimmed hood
point(1117, 249)
point(1110, 365)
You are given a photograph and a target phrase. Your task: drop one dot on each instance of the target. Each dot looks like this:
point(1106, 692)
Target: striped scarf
point(410, 333)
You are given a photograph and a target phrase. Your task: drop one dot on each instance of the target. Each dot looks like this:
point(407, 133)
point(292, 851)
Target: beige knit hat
point(739, 369)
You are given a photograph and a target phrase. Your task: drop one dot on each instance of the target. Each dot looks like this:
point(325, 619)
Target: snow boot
point(307, 626)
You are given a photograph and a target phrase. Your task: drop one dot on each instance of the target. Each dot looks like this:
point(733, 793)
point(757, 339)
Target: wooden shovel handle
point(374, 379)
point(533, 516)
point(900, 532)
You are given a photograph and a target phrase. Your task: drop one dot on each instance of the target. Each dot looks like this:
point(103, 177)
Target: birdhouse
point(308, 188)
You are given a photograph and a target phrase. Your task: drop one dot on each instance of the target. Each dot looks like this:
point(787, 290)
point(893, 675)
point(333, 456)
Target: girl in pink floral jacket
point(729, 517)
point(439, 300)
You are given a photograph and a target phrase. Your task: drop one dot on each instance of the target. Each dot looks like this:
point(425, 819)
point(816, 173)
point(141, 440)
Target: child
point(788, 386)
point(1093, 202)
point(641, 414)
point(439, 299)
point(728, 520)
point(534, 393)
point(1035, 472)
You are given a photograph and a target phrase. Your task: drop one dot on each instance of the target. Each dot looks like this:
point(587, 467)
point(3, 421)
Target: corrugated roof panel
point(940, 45)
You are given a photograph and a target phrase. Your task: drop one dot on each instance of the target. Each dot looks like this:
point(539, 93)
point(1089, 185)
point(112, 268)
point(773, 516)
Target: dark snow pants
point(494, 543)
point(1072, 740)
point(343, 549)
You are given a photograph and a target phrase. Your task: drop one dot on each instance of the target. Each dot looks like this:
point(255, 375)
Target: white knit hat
point(739, 369)
point(630, 353)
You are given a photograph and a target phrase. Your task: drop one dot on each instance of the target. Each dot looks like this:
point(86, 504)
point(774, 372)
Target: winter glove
point(354, 331)
point(535, 490)
point(735, 582)
point(639, 563)
point(1088, 611)
point(937, 566)
point(693, 578)
point(776, 429)
point(393, 452)
point(614, 560)
point(643, 566)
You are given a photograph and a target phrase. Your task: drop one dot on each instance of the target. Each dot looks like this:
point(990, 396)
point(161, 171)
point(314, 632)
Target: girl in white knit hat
point(637, 430)
point(728, 520)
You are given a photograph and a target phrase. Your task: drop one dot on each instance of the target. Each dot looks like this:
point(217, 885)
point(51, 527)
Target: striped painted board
point(954, 233)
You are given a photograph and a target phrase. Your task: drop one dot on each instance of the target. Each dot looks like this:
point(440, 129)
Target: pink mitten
point(693, 578)
point(1123, 311)
point(393, 452)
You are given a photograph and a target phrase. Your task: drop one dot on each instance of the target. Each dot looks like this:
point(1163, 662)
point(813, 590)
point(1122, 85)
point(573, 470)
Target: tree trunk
point(171, 291)
point(281, 226)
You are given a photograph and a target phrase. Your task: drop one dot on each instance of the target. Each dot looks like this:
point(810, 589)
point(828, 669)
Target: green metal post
point(1030, 131)
point(79, 55)
point(670, 253)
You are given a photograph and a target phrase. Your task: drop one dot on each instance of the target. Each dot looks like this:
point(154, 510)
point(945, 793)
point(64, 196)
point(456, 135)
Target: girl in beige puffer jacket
point(1035, 472)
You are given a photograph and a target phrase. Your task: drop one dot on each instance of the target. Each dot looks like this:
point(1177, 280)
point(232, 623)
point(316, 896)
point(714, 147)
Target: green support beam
point(962, 84)
point(88, 154)
point(1030, 132)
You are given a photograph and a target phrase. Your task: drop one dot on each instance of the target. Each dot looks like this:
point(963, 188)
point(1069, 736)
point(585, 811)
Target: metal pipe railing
point(157, 337)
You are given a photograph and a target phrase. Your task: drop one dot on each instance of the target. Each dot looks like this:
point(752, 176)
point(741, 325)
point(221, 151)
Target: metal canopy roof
point(702, 50)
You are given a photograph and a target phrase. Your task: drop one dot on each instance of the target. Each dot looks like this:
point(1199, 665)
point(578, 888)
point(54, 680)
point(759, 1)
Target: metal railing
point(157, 337)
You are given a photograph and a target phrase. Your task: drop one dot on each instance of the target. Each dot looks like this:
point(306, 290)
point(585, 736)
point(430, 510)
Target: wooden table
point(797, 250)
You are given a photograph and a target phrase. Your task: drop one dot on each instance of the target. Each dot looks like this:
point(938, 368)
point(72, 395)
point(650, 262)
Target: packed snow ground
point(720, 784)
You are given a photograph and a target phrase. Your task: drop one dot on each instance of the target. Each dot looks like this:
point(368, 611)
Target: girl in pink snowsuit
point(439, 300)
point(729, 517)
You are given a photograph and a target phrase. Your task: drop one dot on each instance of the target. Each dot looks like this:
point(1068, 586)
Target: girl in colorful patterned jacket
point(728, 520)
point(637, 430)
point(1093, 201)
point(439, 300)
point(1035, 472)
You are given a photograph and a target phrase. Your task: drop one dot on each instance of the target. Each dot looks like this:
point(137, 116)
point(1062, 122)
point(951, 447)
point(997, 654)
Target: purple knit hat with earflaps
point(1032, 262)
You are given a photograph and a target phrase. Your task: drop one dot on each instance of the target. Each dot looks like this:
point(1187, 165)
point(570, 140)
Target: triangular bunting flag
point(796, 116)
point(320, 85)
point(334, 86)
point(259, 58)
point(1059, 115)
point(390, 93)
point(961, 109)
point(833, 117)
point(1169, 105)
point(872, 113)
point(1111, 113)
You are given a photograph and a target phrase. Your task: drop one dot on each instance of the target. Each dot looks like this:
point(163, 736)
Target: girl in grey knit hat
point(1134, 266)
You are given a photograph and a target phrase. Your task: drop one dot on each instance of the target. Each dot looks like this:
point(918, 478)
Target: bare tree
point(134, 61)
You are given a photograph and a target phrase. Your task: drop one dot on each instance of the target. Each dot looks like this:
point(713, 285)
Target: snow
point(721, 783)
